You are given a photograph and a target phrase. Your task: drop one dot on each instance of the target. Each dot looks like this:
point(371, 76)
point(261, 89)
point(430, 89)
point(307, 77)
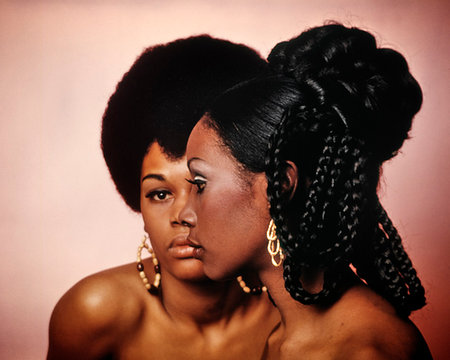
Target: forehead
point(202, 134)
point(205, 149)
point(157, 159)
point(205, 144)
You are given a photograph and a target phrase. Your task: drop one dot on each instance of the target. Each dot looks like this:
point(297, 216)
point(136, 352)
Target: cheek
point(154, 221)
point(217, 211)
point(234, 239)
point(231, 220)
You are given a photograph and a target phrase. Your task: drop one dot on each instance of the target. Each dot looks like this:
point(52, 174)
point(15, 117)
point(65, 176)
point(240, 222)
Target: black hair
point(162, 97)
point(338, 107)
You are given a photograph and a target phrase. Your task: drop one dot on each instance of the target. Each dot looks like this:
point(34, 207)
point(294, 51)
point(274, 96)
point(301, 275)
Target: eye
point(158, 195)
point(199, 182)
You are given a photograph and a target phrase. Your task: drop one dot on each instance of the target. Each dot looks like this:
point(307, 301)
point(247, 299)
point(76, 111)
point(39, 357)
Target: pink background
point(60, 217)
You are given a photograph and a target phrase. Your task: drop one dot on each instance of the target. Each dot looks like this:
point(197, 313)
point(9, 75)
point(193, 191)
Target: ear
point(291, 179)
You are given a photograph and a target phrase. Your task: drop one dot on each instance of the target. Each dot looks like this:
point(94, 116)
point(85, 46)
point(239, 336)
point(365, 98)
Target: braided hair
point(338, 107)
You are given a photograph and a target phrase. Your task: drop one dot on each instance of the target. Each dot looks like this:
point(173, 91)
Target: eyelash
point(153, 194)
point(201, 184)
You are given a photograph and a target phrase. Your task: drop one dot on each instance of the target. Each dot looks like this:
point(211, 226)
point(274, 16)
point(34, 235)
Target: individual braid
point(412, 295)
point(389, 282)
point(415, 288)
point(344, 80)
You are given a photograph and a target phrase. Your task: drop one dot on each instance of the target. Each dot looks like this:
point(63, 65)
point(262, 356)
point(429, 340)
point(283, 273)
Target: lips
point(182, 248)
point(193, 243)
point(198, 249)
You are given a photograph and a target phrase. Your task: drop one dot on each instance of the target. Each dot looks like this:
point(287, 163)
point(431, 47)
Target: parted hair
point(162, 96)
point(338, 106)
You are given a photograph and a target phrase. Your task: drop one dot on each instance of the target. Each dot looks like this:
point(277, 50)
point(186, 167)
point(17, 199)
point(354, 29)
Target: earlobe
point(291, 180)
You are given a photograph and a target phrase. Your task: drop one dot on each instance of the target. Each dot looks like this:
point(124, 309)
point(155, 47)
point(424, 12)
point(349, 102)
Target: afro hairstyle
point(162, 97)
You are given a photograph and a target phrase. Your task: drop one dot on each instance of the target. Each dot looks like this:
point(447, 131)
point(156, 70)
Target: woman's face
point(227, 210)
point(164, 192)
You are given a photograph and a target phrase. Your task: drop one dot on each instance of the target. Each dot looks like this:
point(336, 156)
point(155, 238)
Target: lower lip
point(198, 252)
point(183, 251)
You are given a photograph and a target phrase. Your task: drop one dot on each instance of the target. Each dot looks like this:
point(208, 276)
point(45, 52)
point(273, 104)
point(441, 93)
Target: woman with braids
point(286, 169)
point(164, 307)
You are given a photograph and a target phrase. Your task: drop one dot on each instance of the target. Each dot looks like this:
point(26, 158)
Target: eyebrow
point(191, 160)
point(154, 176)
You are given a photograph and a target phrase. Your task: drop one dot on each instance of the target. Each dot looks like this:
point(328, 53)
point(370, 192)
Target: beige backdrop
point(60, 217)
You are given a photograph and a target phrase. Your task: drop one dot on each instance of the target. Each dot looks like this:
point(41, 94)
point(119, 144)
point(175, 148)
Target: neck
point(200, 303)
point(294, 315)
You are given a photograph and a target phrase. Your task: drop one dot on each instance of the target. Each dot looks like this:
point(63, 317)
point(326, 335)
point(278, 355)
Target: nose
point(179, 216)
point(187, 214)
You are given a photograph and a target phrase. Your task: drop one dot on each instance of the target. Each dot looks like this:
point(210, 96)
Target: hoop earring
point(273, 246)
point(254, 291)
point(151, 288)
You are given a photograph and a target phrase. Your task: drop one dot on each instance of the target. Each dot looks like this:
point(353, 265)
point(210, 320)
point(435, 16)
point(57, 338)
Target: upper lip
point(182, 240)
point(193, 243)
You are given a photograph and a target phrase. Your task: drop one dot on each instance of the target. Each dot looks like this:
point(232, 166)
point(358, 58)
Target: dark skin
point(111, 314)
point(359, 325)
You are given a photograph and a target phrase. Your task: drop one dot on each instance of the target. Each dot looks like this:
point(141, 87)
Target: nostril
point(185, 223)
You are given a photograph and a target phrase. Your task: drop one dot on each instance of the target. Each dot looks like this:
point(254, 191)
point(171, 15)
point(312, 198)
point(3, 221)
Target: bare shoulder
point(370, 328)
point(92, 316)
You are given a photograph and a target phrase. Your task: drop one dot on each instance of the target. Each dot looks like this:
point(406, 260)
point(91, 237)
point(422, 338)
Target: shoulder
point(369, 327)
point(105, 306)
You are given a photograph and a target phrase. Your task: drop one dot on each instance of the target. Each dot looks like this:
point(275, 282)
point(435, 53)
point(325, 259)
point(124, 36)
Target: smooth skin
point(360, 325)
point(110, 315)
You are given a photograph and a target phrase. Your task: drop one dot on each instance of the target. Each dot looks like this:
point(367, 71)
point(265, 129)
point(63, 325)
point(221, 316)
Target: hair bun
point(372, 87)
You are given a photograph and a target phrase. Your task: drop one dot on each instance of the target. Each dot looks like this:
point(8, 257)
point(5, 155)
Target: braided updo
point(338, 107)
point(345, 69)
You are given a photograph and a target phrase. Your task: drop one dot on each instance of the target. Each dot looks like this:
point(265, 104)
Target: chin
point(190, 270)
point(217, 273)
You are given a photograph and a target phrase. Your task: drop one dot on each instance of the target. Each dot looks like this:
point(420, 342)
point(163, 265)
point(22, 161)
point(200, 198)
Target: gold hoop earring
point(273, 246)
point(151, 288)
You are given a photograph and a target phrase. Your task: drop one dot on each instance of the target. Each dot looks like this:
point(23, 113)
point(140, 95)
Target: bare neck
point(294, 315)
point(202, 303)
